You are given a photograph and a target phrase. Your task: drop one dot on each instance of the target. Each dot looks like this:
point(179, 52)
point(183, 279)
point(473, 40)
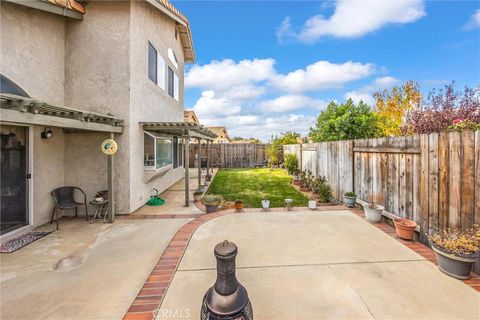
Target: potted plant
point(350, 199)
point(265, 204)
point(312, 203)
point(99, 197)
point(456, 251)
point(208, 177)
point(404, 228)
point(211, 202)
point(239, 204)
point(373, 210)
point(197, 195)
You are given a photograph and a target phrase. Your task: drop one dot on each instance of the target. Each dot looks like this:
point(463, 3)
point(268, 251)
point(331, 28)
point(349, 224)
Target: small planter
point(405, 228)
point(350, 201)
point(373, 214)
point(265, 204)
point(312, 204)
point(197, 196)
point(456, 266)
point(211, 208)
point(238, 204)
point(296, 182)
point(304, 189)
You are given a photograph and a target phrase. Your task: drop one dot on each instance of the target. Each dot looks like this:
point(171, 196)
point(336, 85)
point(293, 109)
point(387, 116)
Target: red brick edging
point(155, 288)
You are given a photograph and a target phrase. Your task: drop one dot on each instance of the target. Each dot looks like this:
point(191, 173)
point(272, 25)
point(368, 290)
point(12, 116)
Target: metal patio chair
point(64, 199)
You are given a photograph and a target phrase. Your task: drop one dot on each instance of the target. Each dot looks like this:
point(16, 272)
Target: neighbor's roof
point(190, 116)
point(218, 129)
point(183, 26)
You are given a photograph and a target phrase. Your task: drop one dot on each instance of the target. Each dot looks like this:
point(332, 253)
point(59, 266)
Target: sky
point(266, 67)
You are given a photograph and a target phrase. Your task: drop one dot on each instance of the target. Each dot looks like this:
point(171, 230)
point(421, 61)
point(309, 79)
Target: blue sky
point(264, 67)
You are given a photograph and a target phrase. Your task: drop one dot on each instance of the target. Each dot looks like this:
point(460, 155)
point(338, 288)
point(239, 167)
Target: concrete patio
point(322, 265)
point(83, 271)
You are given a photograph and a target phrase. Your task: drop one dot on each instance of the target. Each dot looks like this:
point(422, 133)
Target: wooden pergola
point(16, 109)
point(186, 130)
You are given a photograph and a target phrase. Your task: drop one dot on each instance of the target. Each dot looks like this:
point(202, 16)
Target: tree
point(391, 106)
point(445, 109)
point(274, 149)
point(345, 121)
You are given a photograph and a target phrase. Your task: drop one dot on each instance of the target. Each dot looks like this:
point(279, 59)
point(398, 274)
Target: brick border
point(155, 288)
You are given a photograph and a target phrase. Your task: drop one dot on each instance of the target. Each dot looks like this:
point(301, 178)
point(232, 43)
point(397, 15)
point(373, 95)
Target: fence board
point(235, 155)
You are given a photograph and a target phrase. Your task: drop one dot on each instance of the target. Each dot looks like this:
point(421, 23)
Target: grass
point(254, 185)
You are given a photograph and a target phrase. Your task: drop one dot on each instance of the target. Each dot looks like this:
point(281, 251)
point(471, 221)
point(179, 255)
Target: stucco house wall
point(148, 101)
point(36, 63)
point(97, 78)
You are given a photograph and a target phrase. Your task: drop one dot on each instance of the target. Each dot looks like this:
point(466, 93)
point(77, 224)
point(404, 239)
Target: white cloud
point(222, 75)
point(474, 21)
point(208, 105)
point(354, 18)
point(291, 102)
point(366, 93)
point(322, 75)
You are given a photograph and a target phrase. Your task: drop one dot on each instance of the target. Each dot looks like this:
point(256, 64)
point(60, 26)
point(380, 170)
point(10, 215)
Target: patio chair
point(64, 199)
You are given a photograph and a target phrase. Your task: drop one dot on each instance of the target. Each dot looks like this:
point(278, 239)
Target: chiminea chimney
point(227, 299)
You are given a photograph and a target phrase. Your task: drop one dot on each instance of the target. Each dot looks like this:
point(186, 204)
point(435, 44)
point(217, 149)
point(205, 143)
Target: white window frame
point(155, 137)
point(161, 74)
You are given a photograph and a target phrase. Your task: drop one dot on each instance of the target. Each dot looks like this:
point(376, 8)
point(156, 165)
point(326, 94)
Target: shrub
point(345, 121)
point(323, 189)
point(442, 108)
point(291, 163)
point(456, 241)
point(350, 194)
point(375, 200)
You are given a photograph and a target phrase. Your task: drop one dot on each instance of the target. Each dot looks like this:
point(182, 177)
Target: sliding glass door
point(13, 178)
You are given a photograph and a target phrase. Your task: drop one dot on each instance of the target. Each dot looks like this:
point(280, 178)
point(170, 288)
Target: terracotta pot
point(296, 182)
point(239, 205)
point(304, 189)
point(405, 228)
point(456, 266)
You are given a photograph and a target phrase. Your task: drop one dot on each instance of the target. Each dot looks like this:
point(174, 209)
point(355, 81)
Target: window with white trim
point(157, 151)
point(156, 66)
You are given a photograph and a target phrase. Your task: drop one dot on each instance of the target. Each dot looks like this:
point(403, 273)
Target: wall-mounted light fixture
point(47, 133)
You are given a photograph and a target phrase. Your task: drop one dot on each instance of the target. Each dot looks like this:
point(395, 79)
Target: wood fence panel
point(433, 179)
point(235, 155)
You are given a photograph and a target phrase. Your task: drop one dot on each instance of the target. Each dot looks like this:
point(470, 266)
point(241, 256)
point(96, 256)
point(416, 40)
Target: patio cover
point(25, 110)
point(186, 130)
point(18, 109)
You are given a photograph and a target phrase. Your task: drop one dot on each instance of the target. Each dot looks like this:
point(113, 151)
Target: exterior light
point(47, 133)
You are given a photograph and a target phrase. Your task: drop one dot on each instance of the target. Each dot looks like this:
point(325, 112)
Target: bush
point(442, 109)
point(350, 194)
point(463, 242)
point(323, 189)
point(291, 163)
point(345, 121)
point(212, 199)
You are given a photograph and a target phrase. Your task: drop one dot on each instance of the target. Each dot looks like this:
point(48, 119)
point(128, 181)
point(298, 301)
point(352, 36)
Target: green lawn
point(254, 185)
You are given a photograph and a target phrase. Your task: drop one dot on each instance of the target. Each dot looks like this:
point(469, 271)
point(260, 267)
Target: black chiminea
point(227, 299)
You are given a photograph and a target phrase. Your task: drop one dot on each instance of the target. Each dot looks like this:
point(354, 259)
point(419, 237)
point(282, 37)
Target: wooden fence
point(230, 155)
point(432, 179)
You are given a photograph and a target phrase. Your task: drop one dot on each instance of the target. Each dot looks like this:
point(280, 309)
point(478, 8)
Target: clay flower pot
point(296, 182)
point(239, 204)
point(405, 228)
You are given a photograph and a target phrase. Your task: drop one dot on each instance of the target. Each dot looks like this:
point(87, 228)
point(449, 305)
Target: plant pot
point(373, 215)
point(197, 197)
point(405, 228)
point(456, 266)
point(350, 201)
point(211, 208)
point(296, 182)
point(304, 189)
point(239, 206)
point(265, 204)
point(312, 204)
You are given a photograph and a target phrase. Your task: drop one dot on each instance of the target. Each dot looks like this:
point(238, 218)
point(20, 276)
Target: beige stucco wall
point(32, 50)
point(48, 172)
point(97, 78)
point(148, 101)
